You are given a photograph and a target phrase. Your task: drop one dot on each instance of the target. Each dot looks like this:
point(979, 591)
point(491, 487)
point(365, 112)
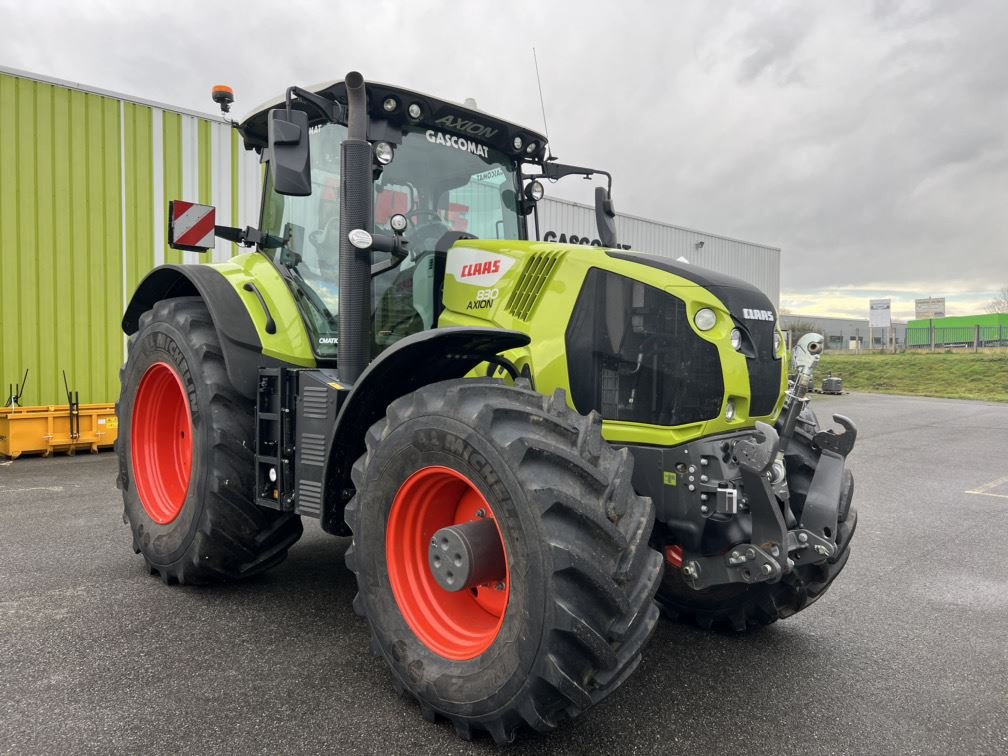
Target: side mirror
point(605, 217)
point(289, 159)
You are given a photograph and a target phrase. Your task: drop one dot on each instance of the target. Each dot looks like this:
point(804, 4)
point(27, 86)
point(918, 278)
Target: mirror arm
point(559, 170)
point(331, 109)
point(248, 237)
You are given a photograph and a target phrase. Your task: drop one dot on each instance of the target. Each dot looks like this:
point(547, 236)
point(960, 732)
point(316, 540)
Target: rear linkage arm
point(768, 557)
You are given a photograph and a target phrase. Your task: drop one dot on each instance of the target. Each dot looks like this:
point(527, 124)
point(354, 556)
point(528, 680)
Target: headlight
point(736, 339)
point(705, 319)
point(383, 152)
point(778, 341)
point(398, 222)
point(729, 410)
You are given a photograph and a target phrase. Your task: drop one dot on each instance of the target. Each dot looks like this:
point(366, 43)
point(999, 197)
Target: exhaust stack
point(355, 213)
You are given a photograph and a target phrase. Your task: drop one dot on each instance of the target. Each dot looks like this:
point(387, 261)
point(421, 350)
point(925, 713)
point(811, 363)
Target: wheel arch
point(418, 360)
point(240, 342)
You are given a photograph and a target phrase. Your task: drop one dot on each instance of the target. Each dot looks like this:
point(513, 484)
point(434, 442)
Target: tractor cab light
point(517, 142)
point(383, 153)
point(390, 104)
point(729, 412)
point(535, 191)
point(398, 223)
point(414, 111)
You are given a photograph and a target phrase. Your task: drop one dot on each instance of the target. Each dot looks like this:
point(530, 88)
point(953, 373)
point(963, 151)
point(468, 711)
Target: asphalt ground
point(907, 653)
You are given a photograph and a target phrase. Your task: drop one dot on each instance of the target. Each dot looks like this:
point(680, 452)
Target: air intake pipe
point(355, 213)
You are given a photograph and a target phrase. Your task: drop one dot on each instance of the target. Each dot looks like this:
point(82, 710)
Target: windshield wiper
point(306, 292)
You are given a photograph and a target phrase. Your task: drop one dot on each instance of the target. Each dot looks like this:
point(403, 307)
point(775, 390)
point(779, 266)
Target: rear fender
point(427, 357)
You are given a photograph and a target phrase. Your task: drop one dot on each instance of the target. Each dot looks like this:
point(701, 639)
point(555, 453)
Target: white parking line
point(5, 490)
point(985, 489)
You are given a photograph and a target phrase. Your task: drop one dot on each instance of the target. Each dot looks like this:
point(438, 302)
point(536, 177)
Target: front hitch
point(775, 549)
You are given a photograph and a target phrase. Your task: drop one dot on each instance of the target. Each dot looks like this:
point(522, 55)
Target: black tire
point(580, 607)
point(219, 533)
point(742, 607)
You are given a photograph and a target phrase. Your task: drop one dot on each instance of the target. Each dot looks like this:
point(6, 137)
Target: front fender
point(427, 357)
point(240, 342)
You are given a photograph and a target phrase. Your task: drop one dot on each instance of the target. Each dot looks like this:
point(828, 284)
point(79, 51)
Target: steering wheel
point(425, 235)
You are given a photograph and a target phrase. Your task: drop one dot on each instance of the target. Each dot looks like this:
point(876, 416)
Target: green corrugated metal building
point(85, 177)
point(981, 330)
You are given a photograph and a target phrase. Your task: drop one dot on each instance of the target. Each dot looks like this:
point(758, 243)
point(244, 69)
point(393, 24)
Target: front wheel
point(186, 466)
point(501, 556)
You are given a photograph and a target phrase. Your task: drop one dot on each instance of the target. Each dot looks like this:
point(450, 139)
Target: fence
point(959, 337)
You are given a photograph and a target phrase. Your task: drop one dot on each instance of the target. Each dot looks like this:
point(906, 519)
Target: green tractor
point(533, 446)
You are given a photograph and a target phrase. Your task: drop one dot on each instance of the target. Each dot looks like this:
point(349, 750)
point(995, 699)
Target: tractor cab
point(439, 172)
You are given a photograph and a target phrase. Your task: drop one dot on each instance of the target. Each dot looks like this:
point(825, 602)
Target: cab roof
point(436, 114)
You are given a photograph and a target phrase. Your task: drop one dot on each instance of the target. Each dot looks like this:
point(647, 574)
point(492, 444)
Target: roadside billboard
point(879, 313)
point(929, 308)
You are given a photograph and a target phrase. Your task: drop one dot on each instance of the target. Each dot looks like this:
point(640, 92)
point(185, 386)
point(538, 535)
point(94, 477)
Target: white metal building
point(846, 333)
point(562, 220)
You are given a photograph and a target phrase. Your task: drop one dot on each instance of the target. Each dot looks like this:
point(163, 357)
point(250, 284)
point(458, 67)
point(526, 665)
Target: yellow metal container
point(44, 430)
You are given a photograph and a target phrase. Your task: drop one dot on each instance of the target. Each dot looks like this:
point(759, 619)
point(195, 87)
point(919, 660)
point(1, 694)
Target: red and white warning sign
point(191, 226)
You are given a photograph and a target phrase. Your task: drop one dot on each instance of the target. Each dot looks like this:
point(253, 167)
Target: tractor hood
point(747, 304)
point(751, 310)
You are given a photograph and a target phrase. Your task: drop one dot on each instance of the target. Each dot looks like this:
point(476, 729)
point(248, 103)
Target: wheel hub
point(467, 555)
point(438, 512)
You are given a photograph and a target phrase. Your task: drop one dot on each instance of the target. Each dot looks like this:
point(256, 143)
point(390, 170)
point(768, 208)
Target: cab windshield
point(440, 182)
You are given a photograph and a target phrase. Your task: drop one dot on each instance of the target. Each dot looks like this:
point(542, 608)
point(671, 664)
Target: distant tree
point(999, 303)
point(799, 328)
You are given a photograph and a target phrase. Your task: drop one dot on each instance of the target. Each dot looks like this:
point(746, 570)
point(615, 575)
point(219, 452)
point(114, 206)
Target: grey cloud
point(866, 139)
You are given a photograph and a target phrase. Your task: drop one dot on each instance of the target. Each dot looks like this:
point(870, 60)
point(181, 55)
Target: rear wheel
point(501, 556)
point(185, 459)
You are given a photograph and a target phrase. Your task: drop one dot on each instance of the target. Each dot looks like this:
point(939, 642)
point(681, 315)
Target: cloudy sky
point(867, 140)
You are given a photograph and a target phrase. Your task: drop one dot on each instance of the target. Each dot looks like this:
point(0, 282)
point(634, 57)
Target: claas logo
point(480, 268)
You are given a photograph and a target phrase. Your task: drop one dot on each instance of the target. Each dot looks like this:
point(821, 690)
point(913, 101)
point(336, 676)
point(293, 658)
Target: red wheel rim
point(162, 443)
point(460, 625)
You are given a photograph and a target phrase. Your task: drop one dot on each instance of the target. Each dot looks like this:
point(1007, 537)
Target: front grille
point(632, 355)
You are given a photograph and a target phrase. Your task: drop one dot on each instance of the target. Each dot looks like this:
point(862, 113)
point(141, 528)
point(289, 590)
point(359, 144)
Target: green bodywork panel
point(290, 343)
point(536, 294)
